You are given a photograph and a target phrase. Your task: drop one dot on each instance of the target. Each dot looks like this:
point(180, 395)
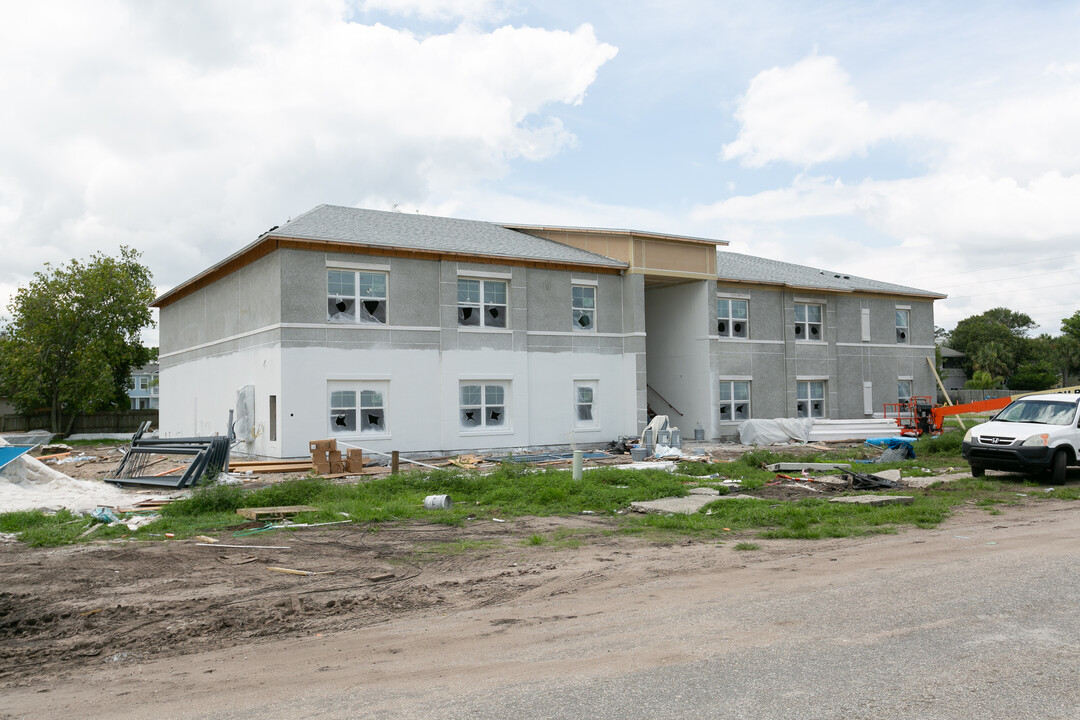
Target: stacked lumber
point(270, 466)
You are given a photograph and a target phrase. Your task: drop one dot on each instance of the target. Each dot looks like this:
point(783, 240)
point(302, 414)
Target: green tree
point(1004, 330)
point(982, 380)
point(1035, 375)
point(73, 337)
point(1071, 326)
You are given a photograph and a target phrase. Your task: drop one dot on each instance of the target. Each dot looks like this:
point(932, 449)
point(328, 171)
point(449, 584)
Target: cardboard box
point(334, 455)
point(354, 465)
point(322, 445)
point(337, 466)
point(319, 456)
point(323, 468)
point(355, 454)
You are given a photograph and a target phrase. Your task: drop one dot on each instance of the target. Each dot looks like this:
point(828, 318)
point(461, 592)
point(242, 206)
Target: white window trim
point(369, 267)
point(573, 325)
point(907, 328)
point(483, 278)
point(749, 401)
point(731, 319)
point(506, 428)
point(583, 281)
point(358, 386)
point(484, 275)
point(806, 323)
point(732, 295)
point(356, 322)
point(824, 396)
point(593, 384)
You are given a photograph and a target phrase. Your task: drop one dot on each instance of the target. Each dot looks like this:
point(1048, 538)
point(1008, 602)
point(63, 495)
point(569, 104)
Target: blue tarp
point(901, 445)
point(10, 452)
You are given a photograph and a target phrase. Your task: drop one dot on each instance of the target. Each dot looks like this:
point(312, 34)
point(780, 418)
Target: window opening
point(807, 322)
point(483, 406)
point(584, 400)
point(584, 307)
point(356, 296)
point(273, 418)
point(343, 411)
point(734, 400)
point(902, 319)
point(810, 400)
point(903, 390)
point(732, 318)
point(482, 303)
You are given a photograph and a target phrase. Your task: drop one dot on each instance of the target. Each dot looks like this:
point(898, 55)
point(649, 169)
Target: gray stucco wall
point(777, 361)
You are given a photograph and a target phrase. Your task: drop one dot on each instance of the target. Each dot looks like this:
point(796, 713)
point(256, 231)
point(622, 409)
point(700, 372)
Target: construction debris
point(211, 454)
point(281, 511)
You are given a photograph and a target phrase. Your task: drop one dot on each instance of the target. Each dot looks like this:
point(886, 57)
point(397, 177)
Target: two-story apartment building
point(143, 387)
point(410, 332)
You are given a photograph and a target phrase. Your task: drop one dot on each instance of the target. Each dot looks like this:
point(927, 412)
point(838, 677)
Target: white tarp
point(26, 483)
point(777, 430)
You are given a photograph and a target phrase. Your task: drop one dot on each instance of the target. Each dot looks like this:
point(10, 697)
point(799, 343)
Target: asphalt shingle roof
point(436, 234)
point(748, 268)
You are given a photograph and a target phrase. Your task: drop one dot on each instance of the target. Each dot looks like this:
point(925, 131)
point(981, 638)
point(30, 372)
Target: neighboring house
point(953, 376)
point(143, 387)
point(398, 331)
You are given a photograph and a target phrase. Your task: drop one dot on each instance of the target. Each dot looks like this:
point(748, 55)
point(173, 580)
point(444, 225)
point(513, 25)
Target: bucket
point(637, 454)
point(438, 502)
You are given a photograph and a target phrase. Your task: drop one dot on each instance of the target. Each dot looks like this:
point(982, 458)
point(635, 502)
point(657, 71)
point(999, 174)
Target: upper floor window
point(483, 405)
point(481, 303)
point(808, 322)
point(144, 382)
point(734, 400)
point(583, 301)
point(810, 399)
point(732, 318)
point(903, 318)
point(355, 296)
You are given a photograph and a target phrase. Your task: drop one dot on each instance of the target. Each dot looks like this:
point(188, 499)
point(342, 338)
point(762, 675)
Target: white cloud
point(442, 9)
point(186, 133)
point(809, 113)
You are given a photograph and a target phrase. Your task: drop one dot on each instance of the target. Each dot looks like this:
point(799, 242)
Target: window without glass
point(482, 303)
point(903, 390)
point(483, 406)
point(353, 296)
point(732, 318)
point(734, 400)
point(808, 322)
point(810, 399)
point(584, 307)
point(902, 319)
point(584, 401)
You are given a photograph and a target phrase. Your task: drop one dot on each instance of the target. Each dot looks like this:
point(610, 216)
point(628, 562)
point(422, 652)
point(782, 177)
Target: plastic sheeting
point(777, 430)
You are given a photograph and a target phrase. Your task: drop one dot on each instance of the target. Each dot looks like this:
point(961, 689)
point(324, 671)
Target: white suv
point(1034, 433)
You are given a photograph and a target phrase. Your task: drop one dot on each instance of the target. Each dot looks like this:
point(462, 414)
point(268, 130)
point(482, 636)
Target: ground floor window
point(584, 403)
point(357, 409)
point(734, 400)
point(903, 390)
point(810, 399)
point(483, 405)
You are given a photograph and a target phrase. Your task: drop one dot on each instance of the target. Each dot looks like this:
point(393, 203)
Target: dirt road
point(425, 621)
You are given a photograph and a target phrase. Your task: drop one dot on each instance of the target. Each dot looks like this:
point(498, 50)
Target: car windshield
point(1058, 412)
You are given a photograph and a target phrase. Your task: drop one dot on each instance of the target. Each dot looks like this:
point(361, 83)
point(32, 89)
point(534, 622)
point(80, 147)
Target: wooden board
point(283, 468)
point(279, 511)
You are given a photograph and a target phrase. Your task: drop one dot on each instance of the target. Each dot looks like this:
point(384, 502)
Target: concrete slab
point(893, 475)
point(874, 500)
point(684, 505)
point(784, 466)
point(704, 491)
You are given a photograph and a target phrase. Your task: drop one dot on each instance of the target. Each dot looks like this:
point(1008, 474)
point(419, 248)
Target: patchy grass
point(518, 490)
point(746, 546)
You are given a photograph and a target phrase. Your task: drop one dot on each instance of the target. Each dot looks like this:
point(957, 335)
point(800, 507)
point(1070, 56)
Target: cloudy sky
point(924, 143)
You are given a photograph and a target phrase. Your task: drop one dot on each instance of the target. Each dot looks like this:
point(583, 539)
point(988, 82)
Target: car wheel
point(977, 471)
point(1057, 468)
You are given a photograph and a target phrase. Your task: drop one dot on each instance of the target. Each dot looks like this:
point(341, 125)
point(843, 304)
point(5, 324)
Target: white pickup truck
point(1035, 433)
